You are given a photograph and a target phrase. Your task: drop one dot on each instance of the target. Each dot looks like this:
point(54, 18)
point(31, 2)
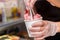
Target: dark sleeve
point(42, 8)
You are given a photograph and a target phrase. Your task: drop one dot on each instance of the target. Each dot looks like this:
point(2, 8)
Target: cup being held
point(29, 22)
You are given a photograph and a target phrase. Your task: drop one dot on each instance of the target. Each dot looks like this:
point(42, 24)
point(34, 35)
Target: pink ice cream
point(27, 15)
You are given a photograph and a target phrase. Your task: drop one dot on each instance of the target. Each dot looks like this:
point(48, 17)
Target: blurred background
point(11, 20)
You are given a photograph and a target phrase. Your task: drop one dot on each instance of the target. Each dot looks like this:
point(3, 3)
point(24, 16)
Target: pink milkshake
point(30, 17)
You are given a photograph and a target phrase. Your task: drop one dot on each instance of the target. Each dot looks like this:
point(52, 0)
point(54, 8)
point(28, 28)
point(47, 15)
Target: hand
point(43, 29)
point(39, 29)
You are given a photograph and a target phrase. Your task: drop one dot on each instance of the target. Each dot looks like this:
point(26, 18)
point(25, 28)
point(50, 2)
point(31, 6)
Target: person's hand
point(43, 29)
point(30, 3)
point(39, 29)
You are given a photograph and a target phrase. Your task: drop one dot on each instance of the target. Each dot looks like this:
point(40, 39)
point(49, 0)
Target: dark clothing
point(48, 12)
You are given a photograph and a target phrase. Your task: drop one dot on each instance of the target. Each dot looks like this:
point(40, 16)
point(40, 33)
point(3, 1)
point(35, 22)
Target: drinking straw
point(30, 9)
point(31, 14)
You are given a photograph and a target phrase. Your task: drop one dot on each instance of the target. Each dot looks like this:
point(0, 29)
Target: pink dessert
point(29, 11)
point(27, 16)
point(30, 16)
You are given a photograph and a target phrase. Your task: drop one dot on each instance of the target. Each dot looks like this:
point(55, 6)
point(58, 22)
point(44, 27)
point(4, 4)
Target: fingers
point(37, 29)
point(38, 24)
point(38, 38)
point(38, 33)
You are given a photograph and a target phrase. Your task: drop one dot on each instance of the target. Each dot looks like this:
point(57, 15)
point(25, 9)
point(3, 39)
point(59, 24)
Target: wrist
point(53, 28)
